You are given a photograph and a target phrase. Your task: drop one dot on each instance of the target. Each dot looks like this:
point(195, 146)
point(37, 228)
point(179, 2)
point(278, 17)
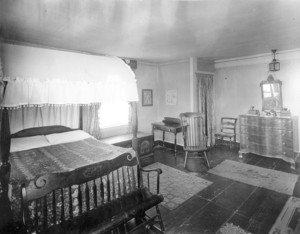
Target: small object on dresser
point(252, 111)
point(285, 113)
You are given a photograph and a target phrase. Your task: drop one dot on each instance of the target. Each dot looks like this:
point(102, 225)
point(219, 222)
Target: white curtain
point(206, 103)
point(36, 92)
point(90, 120)
point(1, 68)
point(28, 117)
point(1, 79)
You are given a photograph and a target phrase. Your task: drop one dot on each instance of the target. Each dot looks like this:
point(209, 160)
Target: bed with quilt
point(39, 151)
point(65, 181)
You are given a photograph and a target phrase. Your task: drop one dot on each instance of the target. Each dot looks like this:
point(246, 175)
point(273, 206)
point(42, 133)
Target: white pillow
point(26, 143)
point(65, 137)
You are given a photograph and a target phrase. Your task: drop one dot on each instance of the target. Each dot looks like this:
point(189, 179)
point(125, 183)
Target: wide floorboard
point(252, 208)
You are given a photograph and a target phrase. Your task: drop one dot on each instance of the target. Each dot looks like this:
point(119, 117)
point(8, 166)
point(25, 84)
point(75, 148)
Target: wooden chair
point(97, 198)
point(194, 138)
point(228, 130)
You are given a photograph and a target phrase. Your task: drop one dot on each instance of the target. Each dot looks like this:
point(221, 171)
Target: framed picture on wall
point(147, 97)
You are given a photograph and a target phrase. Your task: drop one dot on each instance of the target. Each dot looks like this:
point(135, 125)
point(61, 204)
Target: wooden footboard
point(95, 198)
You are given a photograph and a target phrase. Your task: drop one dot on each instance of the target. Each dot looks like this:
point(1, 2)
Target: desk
point(173, 128)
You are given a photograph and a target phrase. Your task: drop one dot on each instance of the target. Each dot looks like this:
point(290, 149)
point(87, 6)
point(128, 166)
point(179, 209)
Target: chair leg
point(206, 159)
point(185, 159)
point(161, 224)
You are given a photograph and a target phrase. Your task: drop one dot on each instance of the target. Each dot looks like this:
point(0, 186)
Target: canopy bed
point(41, 150)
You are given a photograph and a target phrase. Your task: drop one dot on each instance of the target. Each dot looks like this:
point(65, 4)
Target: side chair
point(227, 130)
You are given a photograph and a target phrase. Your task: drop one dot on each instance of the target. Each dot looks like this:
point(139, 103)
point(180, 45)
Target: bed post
point(4, 149)
point(135, 144)
point(4, 143)
point(134, 126)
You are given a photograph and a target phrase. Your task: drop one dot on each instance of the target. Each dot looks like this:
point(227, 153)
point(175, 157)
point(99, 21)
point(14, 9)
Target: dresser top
point(266, 117)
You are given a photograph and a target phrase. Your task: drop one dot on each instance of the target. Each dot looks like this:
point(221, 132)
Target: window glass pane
point(113, 114)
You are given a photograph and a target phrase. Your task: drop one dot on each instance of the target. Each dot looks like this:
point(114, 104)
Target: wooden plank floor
point(252, 208)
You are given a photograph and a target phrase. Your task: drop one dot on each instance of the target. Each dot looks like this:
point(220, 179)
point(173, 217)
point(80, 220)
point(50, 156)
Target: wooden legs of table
point(163, 136)
point(175, 146)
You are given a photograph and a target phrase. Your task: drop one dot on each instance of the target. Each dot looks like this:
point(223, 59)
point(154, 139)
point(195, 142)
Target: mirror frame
point(270, 81)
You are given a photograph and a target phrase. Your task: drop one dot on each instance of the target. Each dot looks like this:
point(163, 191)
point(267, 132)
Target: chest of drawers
point(267, 136)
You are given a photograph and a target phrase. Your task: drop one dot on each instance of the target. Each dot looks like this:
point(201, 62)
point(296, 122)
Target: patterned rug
point(176, 186)
point(288, 222)
point(229, 228)
point(257, 176)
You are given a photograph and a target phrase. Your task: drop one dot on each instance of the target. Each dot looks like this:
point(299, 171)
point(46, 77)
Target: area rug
point(176, 186)
point(257, 176)
point(288, 222)
point(229, 228)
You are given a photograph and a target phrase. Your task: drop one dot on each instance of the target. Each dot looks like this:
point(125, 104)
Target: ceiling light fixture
point(274, 65)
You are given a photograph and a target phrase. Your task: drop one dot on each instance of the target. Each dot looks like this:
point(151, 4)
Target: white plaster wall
point(237, 86)
point(147, 78)
point(173, 76)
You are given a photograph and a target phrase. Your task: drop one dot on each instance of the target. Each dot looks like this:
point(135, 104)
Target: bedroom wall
point(179, 76)
point(237, 85)
point(173, 76)
point(147, 78)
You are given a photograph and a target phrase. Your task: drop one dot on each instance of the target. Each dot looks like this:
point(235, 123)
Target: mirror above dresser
point(271, 95)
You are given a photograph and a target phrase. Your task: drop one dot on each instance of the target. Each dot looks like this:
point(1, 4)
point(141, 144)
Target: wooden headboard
point(41, 131)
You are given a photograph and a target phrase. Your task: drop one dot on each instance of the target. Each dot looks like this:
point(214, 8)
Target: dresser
point(267, 136)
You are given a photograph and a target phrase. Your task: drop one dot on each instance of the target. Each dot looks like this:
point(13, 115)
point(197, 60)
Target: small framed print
point(147, 97)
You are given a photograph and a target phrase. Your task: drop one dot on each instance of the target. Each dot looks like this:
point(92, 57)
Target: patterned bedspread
point(26, 165)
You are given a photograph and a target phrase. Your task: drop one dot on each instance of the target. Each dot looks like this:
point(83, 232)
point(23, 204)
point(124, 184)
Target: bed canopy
point(114, 81)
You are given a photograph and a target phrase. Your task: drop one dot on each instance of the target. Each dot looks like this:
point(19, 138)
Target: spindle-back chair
point(194, 138)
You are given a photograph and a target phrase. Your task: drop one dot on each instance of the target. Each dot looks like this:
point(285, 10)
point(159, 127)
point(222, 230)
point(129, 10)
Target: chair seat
point(224, 134)
point(194, 149)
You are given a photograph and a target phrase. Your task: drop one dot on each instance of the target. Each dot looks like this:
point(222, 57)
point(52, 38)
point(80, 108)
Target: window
point(113, 114)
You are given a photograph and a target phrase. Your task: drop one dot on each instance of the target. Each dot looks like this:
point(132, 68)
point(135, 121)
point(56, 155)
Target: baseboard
point(235, 145)
point(168, 145)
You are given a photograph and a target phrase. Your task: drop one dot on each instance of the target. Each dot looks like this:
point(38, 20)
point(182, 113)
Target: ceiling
point(154, 30)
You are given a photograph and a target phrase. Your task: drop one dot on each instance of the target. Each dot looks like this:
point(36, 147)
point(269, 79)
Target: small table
point(173, 128)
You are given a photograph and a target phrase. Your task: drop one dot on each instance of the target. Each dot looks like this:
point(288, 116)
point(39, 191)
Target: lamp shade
point(274, 65)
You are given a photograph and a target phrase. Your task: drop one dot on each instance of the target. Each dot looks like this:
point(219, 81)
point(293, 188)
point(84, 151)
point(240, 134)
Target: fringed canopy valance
point(117, 84)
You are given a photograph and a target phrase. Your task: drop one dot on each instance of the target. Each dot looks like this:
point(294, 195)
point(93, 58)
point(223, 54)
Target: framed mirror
point(271, 94)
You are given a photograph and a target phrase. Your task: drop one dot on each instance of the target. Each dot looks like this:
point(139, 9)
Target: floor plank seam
point(222, 190)
point(238, 208)
point(210, 200)
point(195, 213)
